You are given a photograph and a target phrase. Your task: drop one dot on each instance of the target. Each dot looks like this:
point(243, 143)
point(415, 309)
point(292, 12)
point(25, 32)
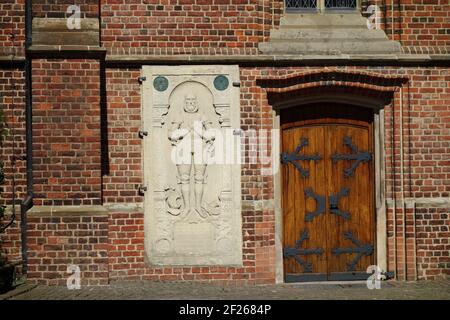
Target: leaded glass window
point(293, 5)
point(301, 4)
point(340, 4)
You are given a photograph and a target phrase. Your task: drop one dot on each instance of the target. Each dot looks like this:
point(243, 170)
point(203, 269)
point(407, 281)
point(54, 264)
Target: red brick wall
point(433, 242)
point(12, 20)
point(217, 27)
point(12, 103)
point(426, 117)
point(66, 132)
point(76, 102)
point(427, 251)
point(123, 172)
point(236, 26)
point(182, 27)
point(422, 26)
point(57, 9)
point(11, 242)
point(127, 257)
point(54, 243)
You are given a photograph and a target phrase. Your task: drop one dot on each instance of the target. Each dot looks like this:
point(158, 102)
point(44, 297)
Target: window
point(292, 5)
point(320, 5)
point(340, 4)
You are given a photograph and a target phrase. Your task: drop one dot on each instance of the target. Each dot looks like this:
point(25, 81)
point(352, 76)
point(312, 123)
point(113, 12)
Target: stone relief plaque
point(193, 197)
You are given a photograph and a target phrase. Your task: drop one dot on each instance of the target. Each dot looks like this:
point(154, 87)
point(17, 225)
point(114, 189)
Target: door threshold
point(329, 282)
point(323, 277)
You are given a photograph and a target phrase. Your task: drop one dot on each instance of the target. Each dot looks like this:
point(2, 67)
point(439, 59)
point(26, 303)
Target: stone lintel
point(67, 211)
point(10, 58)
point(58, 31)
point(65, 48)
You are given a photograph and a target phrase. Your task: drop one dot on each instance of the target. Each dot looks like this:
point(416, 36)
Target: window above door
point(321, 5)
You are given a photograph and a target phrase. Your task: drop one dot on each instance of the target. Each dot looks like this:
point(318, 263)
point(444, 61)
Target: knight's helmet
point(190, 103)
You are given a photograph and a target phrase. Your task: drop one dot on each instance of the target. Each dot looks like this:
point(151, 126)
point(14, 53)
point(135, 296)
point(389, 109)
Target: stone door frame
point(377, 105)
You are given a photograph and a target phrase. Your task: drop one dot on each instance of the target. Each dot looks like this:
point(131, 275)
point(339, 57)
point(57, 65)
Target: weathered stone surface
point(54, 31)
point(192, 204)
point(147, 290)
point(61, 211)
point(335, 34)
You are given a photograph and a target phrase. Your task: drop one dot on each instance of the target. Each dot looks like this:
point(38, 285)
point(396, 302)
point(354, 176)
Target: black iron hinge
point(141, 79)
point(142, 134)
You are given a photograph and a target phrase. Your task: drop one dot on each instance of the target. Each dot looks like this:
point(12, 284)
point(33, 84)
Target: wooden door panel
point(297, 205)
point(344, 231)
point(354, 213)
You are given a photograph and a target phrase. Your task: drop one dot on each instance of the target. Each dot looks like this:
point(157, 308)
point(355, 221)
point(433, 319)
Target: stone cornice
point(265, 60)
point(275, 60)
point(67, 211)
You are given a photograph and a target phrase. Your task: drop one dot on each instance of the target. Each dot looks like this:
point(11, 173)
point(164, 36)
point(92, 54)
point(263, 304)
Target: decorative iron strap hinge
point(297, 251)
point(334, 203)
point(320, 204)
point(360, 250)
point(358, 156)
point(321, 201)
point(295, 156)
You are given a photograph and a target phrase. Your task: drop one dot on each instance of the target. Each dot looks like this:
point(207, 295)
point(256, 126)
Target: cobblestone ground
point(434, 290)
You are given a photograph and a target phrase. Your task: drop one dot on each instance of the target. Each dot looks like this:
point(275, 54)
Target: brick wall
point(183, 27)
point(236, 26)
point(86, 150)
point(421, 241)
point(12, 103)
point(426, 118)
point(433, 242)
point(11, 242)
point(422, 26)
point(12, 21)
point(127, 257)
point(58, 9)
point(122, 168)
point(54, 243)
point(66, 132)
point(217, 27)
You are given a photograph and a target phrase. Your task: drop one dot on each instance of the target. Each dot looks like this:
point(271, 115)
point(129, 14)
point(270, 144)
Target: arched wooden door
point(328, 193)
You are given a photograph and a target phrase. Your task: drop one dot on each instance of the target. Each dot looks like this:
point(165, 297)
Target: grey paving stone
point(142, 290)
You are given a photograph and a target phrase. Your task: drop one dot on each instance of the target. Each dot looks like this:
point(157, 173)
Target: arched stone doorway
point(361, 98)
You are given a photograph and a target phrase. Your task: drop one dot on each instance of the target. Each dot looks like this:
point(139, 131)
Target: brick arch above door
point(359, 88)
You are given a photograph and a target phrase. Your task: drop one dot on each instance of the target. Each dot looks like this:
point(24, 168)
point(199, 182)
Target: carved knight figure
point(195, 129)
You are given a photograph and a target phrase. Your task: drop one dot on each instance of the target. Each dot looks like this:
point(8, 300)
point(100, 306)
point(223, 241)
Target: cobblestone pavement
point(141, 290)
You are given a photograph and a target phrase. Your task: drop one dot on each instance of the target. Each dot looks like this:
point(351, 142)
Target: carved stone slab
point(193, 197)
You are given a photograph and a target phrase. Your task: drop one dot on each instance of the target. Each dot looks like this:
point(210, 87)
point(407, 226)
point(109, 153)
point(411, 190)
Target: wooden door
point(328, 193)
